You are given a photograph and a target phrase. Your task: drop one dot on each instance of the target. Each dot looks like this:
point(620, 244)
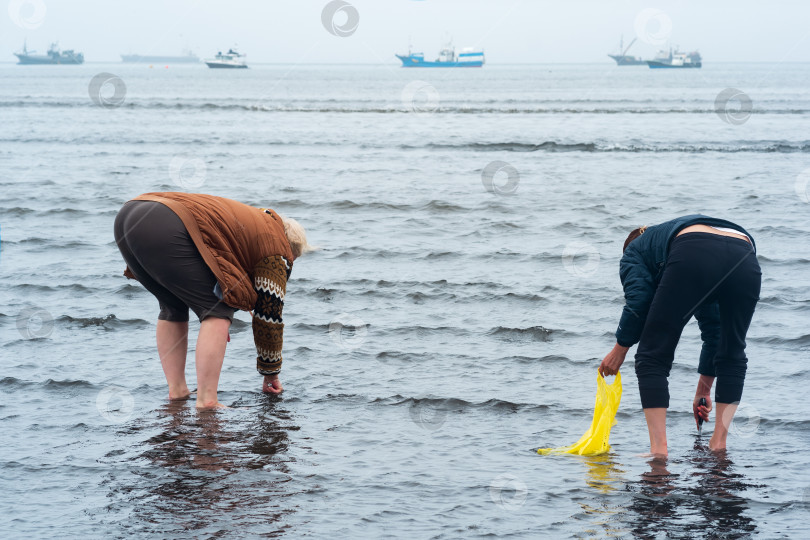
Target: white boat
point(229, 60)
point(676, 59)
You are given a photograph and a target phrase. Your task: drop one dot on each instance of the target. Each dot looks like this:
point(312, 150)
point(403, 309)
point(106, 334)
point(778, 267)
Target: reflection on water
point(719, 486)
point(705, 499)
point(206, 472)
point(606, 477)
point(654, 500)
point(603, 474)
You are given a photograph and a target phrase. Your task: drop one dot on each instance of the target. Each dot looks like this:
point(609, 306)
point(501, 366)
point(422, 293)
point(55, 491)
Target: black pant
point(162, 256)
point(701, 268)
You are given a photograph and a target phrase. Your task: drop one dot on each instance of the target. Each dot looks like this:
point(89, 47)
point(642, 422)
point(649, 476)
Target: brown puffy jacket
point(248, 252)
point(232, 238)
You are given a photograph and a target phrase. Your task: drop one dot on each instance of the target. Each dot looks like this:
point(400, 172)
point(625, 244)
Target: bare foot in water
point(649, 455)
point(209, 406)
point(717, 446)
point(179, 394)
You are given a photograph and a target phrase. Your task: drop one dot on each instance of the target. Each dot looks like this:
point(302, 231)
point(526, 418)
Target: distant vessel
point(676, 59)
point(468, 57)
point(54, 56)
point(229, 60)
point(188, 58)
point(622, 59)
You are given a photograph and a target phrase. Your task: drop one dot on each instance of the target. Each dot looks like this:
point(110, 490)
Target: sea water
point(465, 289)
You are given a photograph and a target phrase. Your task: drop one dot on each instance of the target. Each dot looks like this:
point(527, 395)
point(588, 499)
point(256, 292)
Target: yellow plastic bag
point(595, 440)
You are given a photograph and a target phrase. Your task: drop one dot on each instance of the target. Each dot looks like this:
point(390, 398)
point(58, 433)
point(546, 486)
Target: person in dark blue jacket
point(693, 265)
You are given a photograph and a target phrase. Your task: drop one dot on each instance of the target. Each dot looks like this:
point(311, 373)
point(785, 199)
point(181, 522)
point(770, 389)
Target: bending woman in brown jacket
point(213, 255)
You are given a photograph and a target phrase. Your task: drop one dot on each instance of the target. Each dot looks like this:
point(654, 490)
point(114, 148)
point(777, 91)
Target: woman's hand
point(702, 411)
point(272, 385)
point(613, 361)
point(704, 389)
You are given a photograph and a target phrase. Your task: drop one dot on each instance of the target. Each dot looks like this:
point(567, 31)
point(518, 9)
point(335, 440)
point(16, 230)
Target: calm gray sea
point(448, 326)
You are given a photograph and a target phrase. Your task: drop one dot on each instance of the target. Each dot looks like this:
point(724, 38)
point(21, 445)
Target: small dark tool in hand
point(701, 403)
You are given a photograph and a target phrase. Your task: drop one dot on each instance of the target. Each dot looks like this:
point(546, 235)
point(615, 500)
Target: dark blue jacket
point(640, 270)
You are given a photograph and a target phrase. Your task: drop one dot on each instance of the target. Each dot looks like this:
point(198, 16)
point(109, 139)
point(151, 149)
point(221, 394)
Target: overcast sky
point(509, 31)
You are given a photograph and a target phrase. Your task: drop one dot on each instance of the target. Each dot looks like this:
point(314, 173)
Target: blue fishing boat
point(468, 57)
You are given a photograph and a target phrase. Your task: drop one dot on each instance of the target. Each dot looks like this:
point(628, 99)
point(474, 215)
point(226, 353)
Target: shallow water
point(441, 333)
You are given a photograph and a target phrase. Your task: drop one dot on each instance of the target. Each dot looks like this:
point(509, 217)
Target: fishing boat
point(676, 59)
point(229, 60)
point(623, 59)
point(187, 58)
point(468, 57)
point(53, 56)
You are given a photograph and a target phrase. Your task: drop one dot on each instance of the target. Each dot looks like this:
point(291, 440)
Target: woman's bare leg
point(211, 344)
point(657, 426)
point(172, 345)
point(723, 417)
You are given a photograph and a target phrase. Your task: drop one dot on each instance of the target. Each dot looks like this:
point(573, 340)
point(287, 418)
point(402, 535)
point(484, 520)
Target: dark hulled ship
point(623, 59)
point(53, 56)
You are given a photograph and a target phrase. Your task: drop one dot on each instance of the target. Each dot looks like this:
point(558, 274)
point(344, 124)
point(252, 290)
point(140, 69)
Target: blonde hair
point(297, 236)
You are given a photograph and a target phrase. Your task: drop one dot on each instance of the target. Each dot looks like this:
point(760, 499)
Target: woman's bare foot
point(717, 446)
point(211, 405)
point(179, 393)
point(650, 455)
point(723, 420)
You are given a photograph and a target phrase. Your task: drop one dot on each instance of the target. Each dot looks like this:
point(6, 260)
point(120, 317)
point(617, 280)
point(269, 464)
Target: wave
point(108, 322)
point(38, 288)
point(785, 303)
point(533, 333)
point(457, 404)
point(782, 262)
point(592, 147)
point(463, 295)
point(433, 205)
point(354, 107)
point(442, 284)
point(547, 359)
point(20, 211)
point(801, 341)
point(756, 147)
point(13, 383)
point(548, 146)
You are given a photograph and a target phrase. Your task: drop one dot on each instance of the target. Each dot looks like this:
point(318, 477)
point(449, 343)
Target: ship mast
point(624, 52)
